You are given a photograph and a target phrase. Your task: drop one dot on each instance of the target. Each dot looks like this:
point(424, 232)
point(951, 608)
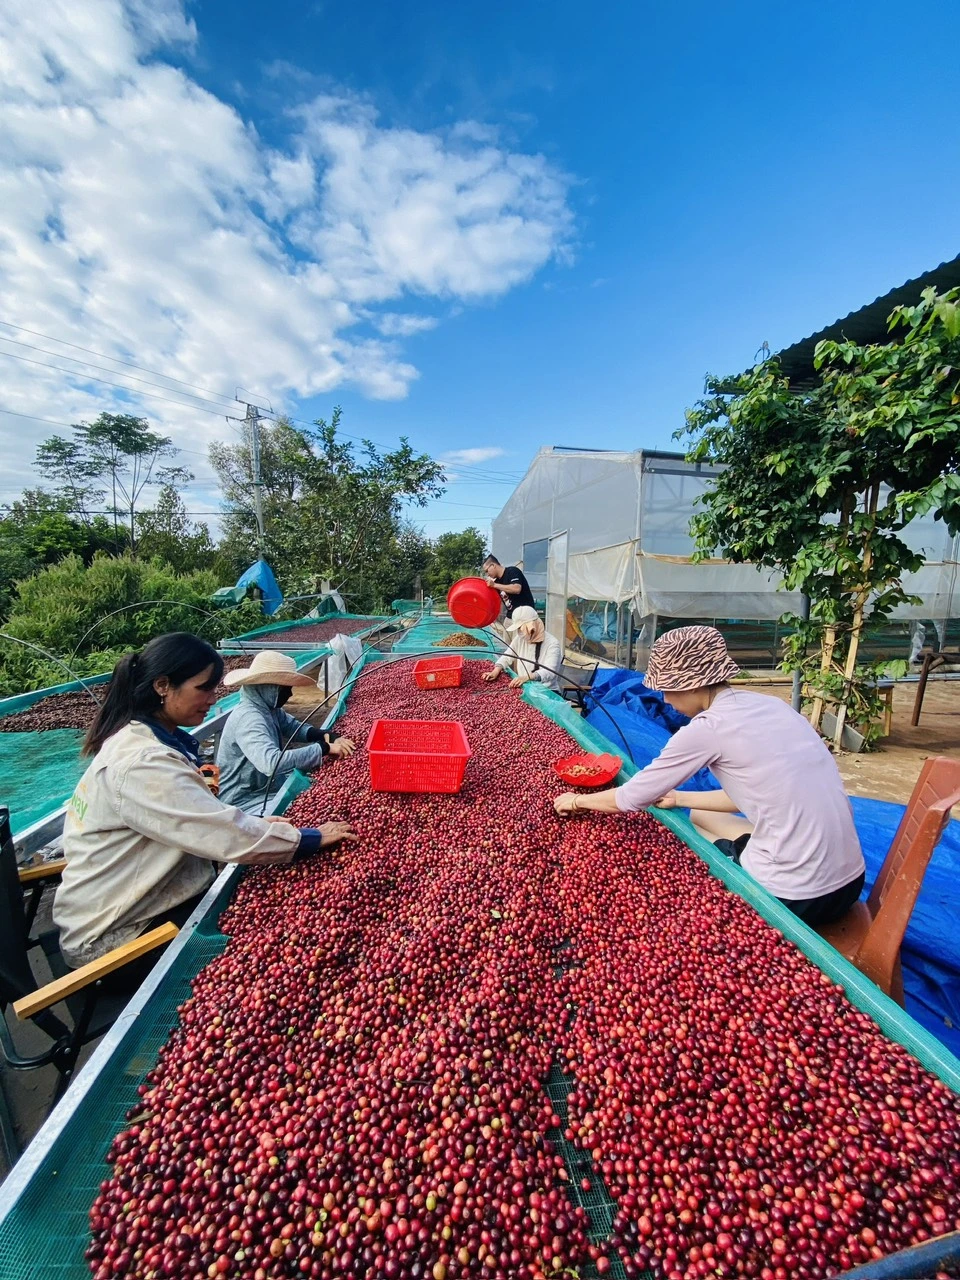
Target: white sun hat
point(523, 613)
point(269, 667)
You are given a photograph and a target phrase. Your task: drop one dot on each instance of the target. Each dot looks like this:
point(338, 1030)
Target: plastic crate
point(439, 673)
point(418, 755)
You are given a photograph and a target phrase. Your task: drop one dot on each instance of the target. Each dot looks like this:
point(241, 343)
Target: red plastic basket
point(418, 755)
point(439, 673)
point(607, 767)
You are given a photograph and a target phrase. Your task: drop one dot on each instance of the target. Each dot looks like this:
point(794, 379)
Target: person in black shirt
point(513, 587)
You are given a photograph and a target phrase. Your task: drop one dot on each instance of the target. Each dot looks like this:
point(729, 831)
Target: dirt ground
point(889, 772)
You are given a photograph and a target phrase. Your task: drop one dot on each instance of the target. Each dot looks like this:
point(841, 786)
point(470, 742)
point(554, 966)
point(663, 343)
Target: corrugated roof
point(869, 324)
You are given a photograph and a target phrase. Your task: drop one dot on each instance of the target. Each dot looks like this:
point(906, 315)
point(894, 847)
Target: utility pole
point(252, 421)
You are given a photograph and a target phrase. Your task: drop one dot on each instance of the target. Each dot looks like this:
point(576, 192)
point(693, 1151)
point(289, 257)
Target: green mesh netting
point(422, 635)
point(38, 772)
point(893, 1021)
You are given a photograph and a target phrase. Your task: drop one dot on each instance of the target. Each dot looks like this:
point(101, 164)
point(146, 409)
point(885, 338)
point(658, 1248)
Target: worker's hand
point(517, 681)
point(332, 833)
point(566, 804)
point(491, 582)
point(669, 801)
point(342, 747)
point(492, 674)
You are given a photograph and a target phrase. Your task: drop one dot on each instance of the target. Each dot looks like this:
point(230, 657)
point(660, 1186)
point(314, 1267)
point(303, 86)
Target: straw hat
point(269, 668)
point(689, 658)
point(524, 613)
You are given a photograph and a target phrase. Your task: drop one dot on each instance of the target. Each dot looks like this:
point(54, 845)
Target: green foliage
point(455, 555)
point(81, 614)
point(36, 530)
point(166, 533)
point(330, 512)
point(118, 455)
point(819, 485)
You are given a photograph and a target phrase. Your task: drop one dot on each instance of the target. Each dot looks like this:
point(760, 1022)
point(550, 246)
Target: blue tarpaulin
point(261, 575)
point(639, 722)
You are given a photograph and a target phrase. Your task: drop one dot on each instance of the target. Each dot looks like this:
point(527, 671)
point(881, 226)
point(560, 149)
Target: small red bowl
point(597, 770)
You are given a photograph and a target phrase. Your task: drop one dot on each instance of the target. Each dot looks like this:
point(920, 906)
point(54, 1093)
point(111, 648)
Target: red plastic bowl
point(608, 767)
point(472, 603)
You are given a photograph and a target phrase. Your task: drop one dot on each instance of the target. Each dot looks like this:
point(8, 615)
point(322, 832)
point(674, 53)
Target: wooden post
point(826, 658)
point(862, 594)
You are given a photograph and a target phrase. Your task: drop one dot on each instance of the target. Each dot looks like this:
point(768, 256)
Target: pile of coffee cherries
point(356, 1086)
point(320, 632)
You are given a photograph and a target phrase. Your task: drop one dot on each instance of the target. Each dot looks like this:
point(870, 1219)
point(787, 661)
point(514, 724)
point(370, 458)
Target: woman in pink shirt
point(797, 836)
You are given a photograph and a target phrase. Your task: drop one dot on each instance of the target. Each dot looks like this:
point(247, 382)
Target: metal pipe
point(796, 697)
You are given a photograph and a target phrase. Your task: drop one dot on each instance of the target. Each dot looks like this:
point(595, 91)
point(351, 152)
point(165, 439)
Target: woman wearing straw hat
point(251, 755)
point(797, 837)
point(534, 652)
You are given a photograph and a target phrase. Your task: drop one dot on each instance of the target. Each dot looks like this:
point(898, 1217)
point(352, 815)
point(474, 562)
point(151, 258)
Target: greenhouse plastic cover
point(638, 721)
point(627, 517)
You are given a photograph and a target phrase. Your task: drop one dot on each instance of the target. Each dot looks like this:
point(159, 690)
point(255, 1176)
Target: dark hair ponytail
point(130, 694)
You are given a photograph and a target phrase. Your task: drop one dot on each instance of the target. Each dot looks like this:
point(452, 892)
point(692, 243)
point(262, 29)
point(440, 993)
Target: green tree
point(36, 530)
point(819, 486)
point(118, 451)
point(455, 555)
point(165, 532)
point(88, 615)
point(331, 512)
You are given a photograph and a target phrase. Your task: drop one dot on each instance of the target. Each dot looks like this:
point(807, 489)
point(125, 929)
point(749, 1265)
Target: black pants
point(813, 911)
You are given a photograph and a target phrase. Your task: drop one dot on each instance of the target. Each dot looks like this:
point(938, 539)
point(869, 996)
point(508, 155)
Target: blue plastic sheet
point(261, 575)
point(639, 722)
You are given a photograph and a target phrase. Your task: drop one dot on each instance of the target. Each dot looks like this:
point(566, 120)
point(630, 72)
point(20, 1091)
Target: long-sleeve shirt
point(778, 772)
point(142, 834)
point(522, 655)
point(251, 747)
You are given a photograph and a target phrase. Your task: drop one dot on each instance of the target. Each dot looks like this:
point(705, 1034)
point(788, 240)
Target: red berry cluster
point(320, 632)
point(355, 1087)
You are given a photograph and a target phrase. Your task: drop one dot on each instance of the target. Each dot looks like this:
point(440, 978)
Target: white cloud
point(392, 325)
point(471, 457)
point(144, 218)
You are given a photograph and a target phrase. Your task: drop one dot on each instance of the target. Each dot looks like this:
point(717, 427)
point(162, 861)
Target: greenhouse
point(606, 535)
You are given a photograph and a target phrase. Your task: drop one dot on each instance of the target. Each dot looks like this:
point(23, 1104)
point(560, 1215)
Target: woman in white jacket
point(535, 653)
point(143, 833)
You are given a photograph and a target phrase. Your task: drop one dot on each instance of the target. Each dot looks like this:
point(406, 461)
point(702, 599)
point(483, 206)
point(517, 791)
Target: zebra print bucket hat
point(689, 658)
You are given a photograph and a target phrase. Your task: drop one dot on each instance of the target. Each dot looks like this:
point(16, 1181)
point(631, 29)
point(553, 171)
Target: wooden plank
point(42, 870)
point(58, 990)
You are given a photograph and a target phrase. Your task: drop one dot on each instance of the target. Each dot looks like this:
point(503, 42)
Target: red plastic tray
point(418, 755)
point(439, 673)
point(609, 767)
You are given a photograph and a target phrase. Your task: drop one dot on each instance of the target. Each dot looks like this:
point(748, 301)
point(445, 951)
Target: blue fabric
point(261, 575)
point(310, 841)
point(180, 740)
point(638, 720)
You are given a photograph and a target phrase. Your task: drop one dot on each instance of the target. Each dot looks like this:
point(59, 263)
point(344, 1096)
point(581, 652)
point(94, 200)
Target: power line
point(57, 355)
point(88, 377)
point(8, 324)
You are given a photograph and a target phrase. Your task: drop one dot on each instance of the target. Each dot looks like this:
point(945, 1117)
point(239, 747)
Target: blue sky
point(693, 181)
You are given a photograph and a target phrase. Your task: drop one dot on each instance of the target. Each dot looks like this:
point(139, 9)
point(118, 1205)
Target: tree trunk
point(826, 658)
point(863, 593)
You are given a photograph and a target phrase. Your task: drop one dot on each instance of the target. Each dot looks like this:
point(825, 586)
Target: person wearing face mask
point(143, 834)
point(254, 743)
point(533, 652)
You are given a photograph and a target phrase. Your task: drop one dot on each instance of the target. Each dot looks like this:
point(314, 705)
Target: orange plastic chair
point(871, 932)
